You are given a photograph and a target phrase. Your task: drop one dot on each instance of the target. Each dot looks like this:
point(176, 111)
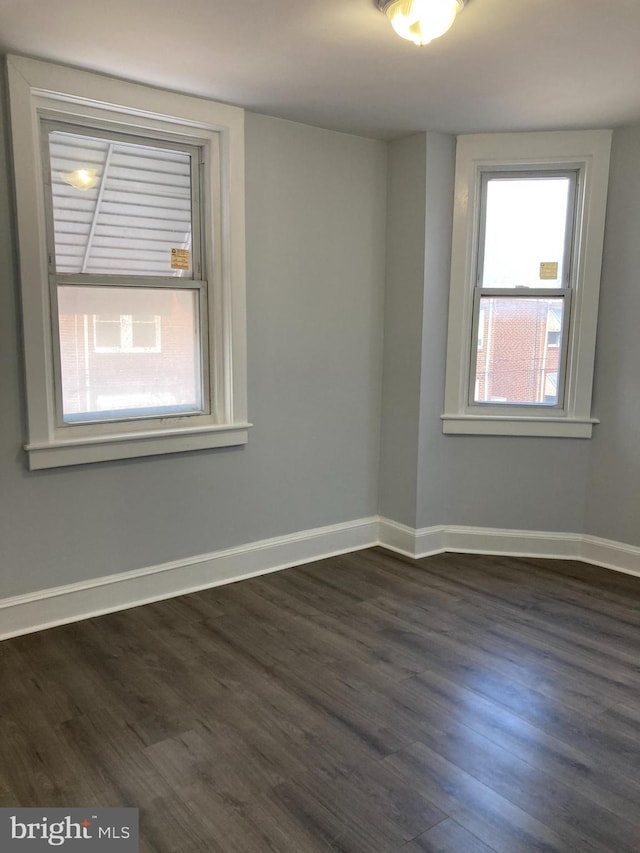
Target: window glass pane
point(482, 323)
point(517, 364)
point(107, 332)
point(128, 352)
point(120, 208)
point(524, 240)
point(145, 333)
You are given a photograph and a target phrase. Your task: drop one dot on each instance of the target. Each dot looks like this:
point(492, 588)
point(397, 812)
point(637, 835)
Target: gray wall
point(420, 207)
point(577, 486)
point(432, 458)
point(403, 310)
point(613, 508)
point(427, 478)
point(316, 224)
point(315, 253)
point(517, 483)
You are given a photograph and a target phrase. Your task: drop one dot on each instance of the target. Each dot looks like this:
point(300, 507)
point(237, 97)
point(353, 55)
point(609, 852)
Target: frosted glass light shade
point(421, 21)
point(80, 179)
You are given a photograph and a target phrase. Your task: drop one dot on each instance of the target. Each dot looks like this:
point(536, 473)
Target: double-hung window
point(524, 216)
point(131, 234)
point(126, 287)
point(526, 258)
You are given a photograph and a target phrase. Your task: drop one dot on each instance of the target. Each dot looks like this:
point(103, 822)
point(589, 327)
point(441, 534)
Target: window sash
point(564, 291)
point(144, 418)
point(540, 173)
point(104, 132)
point(519, 293)
point(130, 280)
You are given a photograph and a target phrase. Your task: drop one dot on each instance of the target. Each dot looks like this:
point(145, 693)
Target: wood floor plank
point(28, 778)
point(361, 810)
point(588, 772)
point(436, 642)
point(477, 807)
point(446, 837)
point(541, 794)
point(169, 825)
point(531, 584)
point(623, 719)
point(609, 678)
point(560, 632)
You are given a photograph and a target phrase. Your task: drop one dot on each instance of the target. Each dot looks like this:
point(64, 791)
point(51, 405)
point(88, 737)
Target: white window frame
point(562, 292)
point(41, 90)
point(588, 153)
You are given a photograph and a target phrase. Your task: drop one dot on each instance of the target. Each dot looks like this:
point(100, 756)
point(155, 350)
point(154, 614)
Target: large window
point(130, 214)
point(125, 260)
point(526, 262)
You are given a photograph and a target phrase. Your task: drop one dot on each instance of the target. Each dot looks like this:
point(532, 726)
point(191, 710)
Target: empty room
point(320, 436)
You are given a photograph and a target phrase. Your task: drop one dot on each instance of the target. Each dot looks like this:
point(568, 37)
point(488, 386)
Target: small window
point(525, 218)
point(131, 232)
point(126, 333)
point(526, 256)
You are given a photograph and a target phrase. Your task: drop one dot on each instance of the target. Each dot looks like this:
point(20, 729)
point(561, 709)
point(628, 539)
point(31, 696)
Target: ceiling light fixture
point(80, 179)
point(421, 21)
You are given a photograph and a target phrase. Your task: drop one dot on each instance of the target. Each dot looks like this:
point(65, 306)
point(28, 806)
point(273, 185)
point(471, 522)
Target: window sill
point(517, 425)
point(79, 451)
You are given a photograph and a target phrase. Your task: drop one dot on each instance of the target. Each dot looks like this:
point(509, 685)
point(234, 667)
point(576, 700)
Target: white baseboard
point(509, 543)
point(35, 611)
point(512, 543)
point(610, 555)
point(409, 541)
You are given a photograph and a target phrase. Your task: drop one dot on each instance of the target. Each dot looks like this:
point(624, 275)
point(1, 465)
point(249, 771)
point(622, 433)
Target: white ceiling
point(505, 65)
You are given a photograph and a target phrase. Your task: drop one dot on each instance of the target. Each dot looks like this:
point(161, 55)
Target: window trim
point(41, 89)
point(587, 152)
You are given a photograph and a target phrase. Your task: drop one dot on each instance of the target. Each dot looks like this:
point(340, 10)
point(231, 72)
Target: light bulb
point(81, 179)
point(421, 21)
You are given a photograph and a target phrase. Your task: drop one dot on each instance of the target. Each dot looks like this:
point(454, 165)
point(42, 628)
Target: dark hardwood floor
point(361, 704)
